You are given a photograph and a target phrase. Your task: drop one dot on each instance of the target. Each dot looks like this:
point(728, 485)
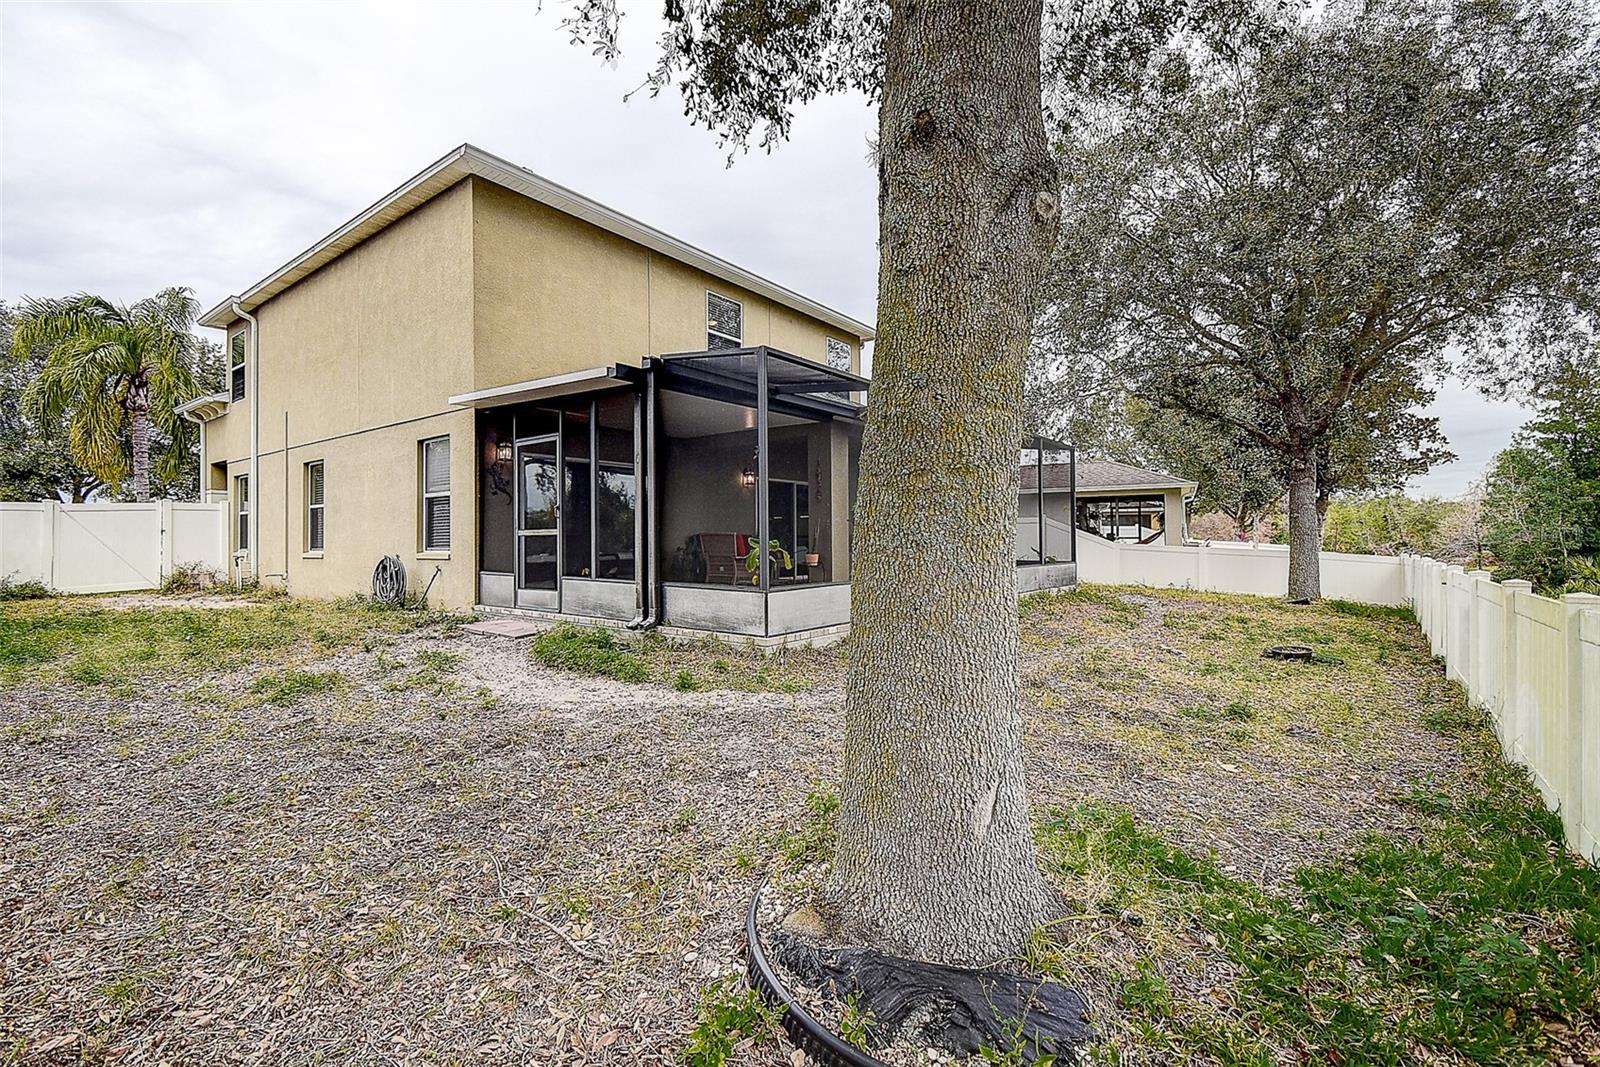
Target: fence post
point(1474, 664)
point(1202, 567)
point(49, 568)
point(1573, 816)
point(1513, 729)
point(163, 540)
point(1441, 612)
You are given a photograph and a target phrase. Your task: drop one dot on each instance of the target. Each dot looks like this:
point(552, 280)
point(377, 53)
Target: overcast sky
point(146, 145)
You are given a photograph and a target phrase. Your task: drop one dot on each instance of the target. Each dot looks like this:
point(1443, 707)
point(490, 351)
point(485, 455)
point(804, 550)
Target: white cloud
point(205, 144)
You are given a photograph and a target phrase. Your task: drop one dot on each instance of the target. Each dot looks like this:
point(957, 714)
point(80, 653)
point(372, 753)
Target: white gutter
point(253, 524)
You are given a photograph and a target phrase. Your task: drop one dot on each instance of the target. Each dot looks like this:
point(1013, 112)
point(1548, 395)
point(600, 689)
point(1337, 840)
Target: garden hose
point(389, 581)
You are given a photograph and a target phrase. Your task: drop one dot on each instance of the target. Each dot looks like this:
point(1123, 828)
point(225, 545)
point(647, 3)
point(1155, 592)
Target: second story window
point(839, 354)
point(724, 322)
point(236, 366)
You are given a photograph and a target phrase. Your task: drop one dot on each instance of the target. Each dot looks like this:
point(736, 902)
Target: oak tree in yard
point(1290, 239)
point(935, 856)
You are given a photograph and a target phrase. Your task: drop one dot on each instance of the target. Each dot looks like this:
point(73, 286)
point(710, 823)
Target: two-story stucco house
point(541, 405)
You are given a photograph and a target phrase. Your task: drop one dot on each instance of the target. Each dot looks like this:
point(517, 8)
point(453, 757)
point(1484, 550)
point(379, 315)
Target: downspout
point(255, 435)
point(649, 587)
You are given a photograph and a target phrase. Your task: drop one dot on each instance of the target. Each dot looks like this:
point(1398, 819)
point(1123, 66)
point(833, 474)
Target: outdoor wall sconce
point(748, 477)
point(502, 452)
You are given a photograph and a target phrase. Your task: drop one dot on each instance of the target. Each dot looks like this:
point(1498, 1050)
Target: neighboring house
point(1116, 501)
point(540, 404)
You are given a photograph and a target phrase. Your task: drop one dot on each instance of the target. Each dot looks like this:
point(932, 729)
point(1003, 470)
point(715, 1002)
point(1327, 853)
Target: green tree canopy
point(1541, 506)
point(115, 375)
point(1287, 239)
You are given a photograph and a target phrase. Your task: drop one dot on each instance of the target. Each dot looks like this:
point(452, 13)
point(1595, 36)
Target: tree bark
point(1305, 530)
point(139, 415)
point(936, 857)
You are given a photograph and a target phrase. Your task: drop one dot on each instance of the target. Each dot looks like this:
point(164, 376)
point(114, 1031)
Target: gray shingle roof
point(1101, 474)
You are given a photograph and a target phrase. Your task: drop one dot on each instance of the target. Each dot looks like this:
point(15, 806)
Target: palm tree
point(115, 372)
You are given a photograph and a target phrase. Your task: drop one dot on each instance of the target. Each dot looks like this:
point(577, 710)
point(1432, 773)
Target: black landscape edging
point(809, 1035)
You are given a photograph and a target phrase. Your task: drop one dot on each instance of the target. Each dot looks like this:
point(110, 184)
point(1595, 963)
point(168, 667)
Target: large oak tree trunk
point(139, 415)
point(1305, 531)
point(936, 855)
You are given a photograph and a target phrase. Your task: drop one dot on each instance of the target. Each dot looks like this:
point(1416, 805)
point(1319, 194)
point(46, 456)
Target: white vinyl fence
point(104, 548)
point(1533, 664)
point(1232, 567)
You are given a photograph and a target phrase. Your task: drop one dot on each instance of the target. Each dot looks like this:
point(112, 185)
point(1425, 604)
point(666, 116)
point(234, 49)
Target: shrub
point(28, 589)
point(728, 1015)
point(589, 651)
point(190, 578)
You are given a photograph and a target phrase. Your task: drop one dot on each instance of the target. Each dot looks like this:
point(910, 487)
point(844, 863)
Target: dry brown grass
point(440, 851)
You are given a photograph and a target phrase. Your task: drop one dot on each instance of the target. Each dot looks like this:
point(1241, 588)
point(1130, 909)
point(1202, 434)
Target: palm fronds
point(109, 365)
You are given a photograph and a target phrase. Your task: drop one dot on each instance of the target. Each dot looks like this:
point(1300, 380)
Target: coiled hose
point(389, 581)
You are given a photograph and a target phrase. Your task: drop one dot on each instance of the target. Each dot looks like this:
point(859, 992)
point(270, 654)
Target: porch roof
point(578, 381)
point(794, 384)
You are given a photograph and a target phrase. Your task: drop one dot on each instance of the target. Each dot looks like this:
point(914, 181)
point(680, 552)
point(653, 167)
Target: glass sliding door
point(538, 524)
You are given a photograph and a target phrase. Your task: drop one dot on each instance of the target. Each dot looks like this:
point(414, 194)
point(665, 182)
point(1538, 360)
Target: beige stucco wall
point(358, 361)
point(554, 294)
point(479, 287)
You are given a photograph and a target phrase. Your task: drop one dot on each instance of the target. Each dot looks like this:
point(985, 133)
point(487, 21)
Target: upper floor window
point(236, 365)
point(436, 495)
point(724, 322)
point(315, 525)
point(839, 354)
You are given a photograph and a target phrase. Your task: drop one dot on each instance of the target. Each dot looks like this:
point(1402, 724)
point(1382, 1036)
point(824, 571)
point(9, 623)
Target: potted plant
point(775, 551)
point(813, 559)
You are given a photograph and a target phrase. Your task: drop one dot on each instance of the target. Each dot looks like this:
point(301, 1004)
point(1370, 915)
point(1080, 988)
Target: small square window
point(436, 495)
point(839, 354)
point(315, 523)
point(724, 323)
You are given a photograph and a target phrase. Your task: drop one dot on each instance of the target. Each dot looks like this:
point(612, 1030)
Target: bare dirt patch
point(423, 846)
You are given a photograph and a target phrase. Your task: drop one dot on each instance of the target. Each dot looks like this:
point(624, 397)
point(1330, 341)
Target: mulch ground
point(448, 853)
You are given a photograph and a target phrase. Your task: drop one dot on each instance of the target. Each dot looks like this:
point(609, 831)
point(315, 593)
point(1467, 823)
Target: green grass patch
point(589, 650)
point(291, 686)
point(1479, 941)
point(78, 640)
point(812, 840)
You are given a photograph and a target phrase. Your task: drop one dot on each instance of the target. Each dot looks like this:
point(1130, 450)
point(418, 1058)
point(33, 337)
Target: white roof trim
point(578, 381)
point(1144, 487)
point(469, 160)
point(204, 408)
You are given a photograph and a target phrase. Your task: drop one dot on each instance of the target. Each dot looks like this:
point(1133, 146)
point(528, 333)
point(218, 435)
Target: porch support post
point(1038, 487)
point(763, 508)
point(1072, 501)
point(594, 489)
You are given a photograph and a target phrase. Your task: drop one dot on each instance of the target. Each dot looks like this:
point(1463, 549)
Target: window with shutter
point(315, 525)
point(724, 322)
point(436, 495)
point(236, 365)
